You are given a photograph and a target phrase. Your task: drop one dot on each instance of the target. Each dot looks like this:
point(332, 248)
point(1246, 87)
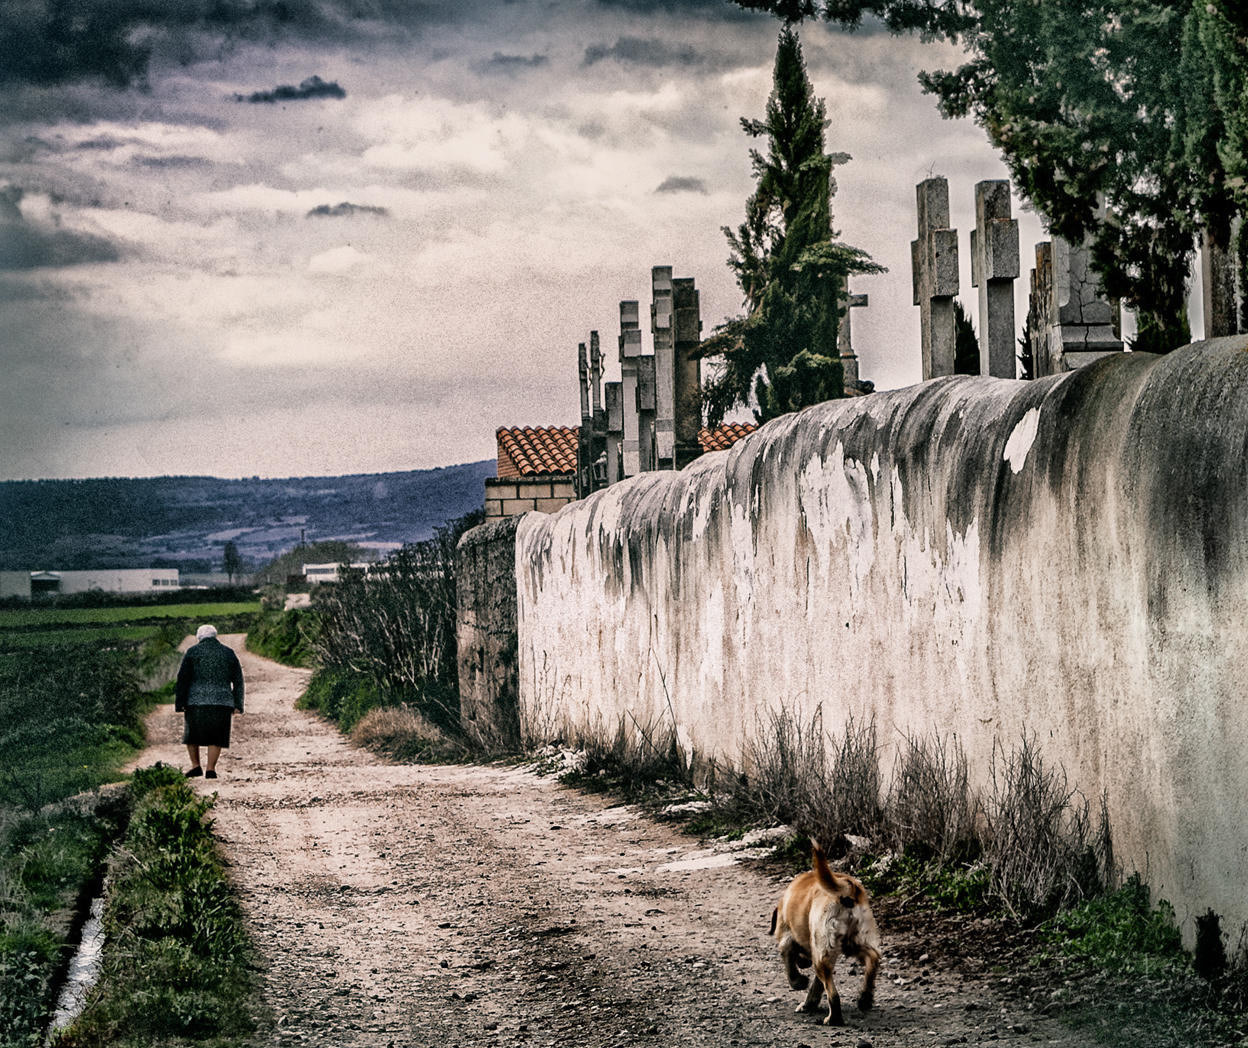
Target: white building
point(104, 580)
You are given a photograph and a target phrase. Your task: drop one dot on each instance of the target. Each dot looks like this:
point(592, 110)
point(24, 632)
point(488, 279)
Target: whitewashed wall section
point(1066, 558)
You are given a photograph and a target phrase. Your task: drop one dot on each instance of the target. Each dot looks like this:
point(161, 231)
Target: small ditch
point(83, 971)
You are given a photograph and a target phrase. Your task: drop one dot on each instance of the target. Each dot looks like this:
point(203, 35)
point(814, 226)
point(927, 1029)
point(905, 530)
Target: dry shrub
point(1042, 847)
point(798, 775)
point(402, 734)
point(931, 810)
point(638, 760)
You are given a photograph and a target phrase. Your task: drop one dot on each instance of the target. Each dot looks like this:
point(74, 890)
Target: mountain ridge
point(184, 521)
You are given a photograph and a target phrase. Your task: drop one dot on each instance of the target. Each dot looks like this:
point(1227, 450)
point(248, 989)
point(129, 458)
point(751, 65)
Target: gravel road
point(486, 905)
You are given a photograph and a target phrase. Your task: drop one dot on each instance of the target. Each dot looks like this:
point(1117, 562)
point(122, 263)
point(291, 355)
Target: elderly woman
point(209, 692)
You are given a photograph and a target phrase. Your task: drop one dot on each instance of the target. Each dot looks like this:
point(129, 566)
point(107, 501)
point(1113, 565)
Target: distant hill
point(185, 522)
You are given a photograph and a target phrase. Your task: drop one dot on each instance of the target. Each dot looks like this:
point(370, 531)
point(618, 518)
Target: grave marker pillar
point(687, 395)
point(664, 366)
point(994, 267)
point(934, 265)
point(630, 350)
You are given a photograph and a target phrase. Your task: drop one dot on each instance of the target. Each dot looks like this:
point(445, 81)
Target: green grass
point(178, 967)
point(28, 618)
point(40, 629)
point(69, 720)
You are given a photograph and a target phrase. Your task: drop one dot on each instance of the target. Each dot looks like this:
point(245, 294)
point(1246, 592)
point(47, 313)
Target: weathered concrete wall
point(1066, 557)
point(485, 580)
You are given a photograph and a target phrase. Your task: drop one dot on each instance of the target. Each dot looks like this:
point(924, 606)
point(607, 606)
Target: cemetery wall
point(485, 580)
point(1066, 558)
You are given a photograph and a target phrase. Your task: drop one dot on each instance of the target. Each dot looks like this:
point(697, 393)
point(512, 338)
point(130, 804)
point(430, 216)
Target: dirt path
point(412, 905)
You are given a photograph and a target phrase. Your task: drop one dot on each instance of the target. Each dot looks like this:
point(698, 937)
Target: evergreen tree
point(789, 266)
point(965, 344)
point(231, 561)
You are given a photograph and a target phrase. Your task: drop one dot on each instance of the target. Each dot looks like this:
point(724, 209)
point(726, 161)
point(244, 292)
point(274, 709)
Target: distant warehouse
point(58, 583)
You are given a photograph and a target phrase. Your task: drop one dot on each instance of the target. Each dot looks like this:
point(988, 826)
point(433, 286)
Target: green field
point(38, 629)
point(42, 618)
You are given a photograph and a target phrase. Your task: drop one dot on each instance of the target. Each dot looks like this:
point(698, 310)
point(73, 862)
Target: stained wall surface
point(1066, 558)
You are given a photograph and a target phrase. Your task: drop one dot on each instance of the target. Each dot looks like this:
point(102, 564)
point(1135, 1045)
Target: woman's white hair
point(205, 631)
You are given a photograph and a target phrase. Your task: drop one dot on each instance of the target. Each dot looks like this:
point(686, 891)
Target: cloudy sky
point(292, 237)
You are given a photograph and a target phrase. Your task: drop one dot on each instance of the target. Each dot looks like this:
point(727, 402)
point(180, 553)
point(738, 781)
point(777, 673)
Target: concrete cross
point(664, 365)
point(687, 399)
point(994, 268)
point(844, 339)
point(615, 431)
point(934, 264)
point(630, 350)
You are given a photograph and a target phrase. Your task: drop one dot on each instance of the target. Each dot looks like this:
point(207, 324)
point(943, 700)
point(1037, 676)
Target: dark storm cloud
point(644, 51)
point(681, 184)
point(312, 87)
point(712, 10)
point(25, 246)
point(502, 63)
point(48, 42)
point(346, 210)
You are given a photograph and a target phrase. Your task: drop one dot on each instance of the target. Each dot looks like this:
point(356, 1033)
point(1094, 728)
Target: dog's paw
point(835, 1019)
point(805, 1009)
point(866, 1002)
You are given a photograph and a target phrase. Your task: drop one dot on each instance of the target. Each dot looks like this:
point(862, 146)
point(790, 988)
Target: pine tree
point(791, 269)
point(965, 343)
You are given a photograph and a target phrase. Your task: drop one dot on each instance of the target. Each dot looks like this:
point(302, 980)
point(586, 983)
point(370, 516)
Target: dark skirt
point(208, 726)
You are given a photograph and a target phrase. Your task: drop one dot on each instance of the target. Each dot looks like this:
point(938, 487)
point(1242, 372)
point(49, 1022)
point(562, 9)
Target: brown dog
point(822, 915)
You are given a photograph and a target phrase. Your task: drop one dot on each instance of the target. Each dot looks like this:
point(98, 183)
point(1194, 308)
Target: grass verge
point(178, 967)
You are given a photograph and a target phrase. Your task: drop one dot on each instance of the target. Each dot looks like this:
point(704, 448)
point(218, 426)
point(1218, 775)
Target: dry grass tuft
point(403, 735)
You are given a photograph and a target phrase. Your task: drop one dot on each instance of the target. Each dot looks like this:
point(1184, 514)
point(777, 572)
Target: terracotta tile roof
point(526, 451)
point(531, 450)
point(724, 435)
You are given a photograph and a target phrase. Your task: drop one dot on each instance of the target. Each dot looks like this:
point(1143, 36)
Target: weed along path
point(485, 905)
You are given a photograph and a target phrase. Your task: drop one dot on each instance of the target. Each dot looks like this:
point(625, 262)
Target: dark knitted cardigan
point(210, 675)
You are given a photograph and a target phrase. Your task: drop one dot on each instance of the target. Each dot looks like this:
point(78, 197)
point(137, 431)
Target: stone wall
point(1066, 558)
point(485, 573)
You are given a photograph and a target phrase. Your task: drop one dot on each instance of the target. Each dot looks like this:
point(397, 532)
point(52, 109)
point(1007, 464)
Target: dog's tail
point(823, 872)
point(775, 913)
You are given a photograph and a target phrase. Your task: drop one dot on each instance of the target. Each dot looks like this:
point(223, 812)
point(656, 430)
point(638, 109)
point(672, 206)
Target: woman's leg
point(213, 753)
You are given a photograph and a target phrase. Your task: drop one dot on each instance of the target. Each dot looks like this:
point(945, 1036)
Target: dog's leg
point(871, 961)
point(813, 996)
point(824, 969)
point(793, 956)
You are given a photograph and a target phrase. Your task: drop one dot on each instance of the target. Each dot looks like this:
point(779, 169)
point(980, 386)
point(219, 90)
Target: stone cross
point(687, 397)
point(630, 350)
point(1084, 317)
point(664, 366)
point(582, 369)
point(595, 376)
point(934, 263)
point(994, 268)
point(844, 340)
point(615, 431)
point(645, 411)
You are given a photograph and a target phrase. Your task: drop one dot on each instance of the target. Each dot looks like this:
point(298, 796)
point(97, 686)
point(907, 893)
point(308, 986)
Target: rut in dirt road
point(485, 905)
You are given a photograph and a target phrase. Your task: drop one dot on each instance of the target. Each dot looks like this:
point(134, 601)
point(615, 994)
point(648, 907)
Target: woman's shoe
point(197, 770)
point(210, 774)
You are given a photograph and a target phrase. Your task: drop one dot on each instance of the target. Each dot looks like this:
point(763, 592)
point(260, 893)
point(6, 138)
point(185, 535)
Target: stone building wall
point(515, 495)
point(1065, 558)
